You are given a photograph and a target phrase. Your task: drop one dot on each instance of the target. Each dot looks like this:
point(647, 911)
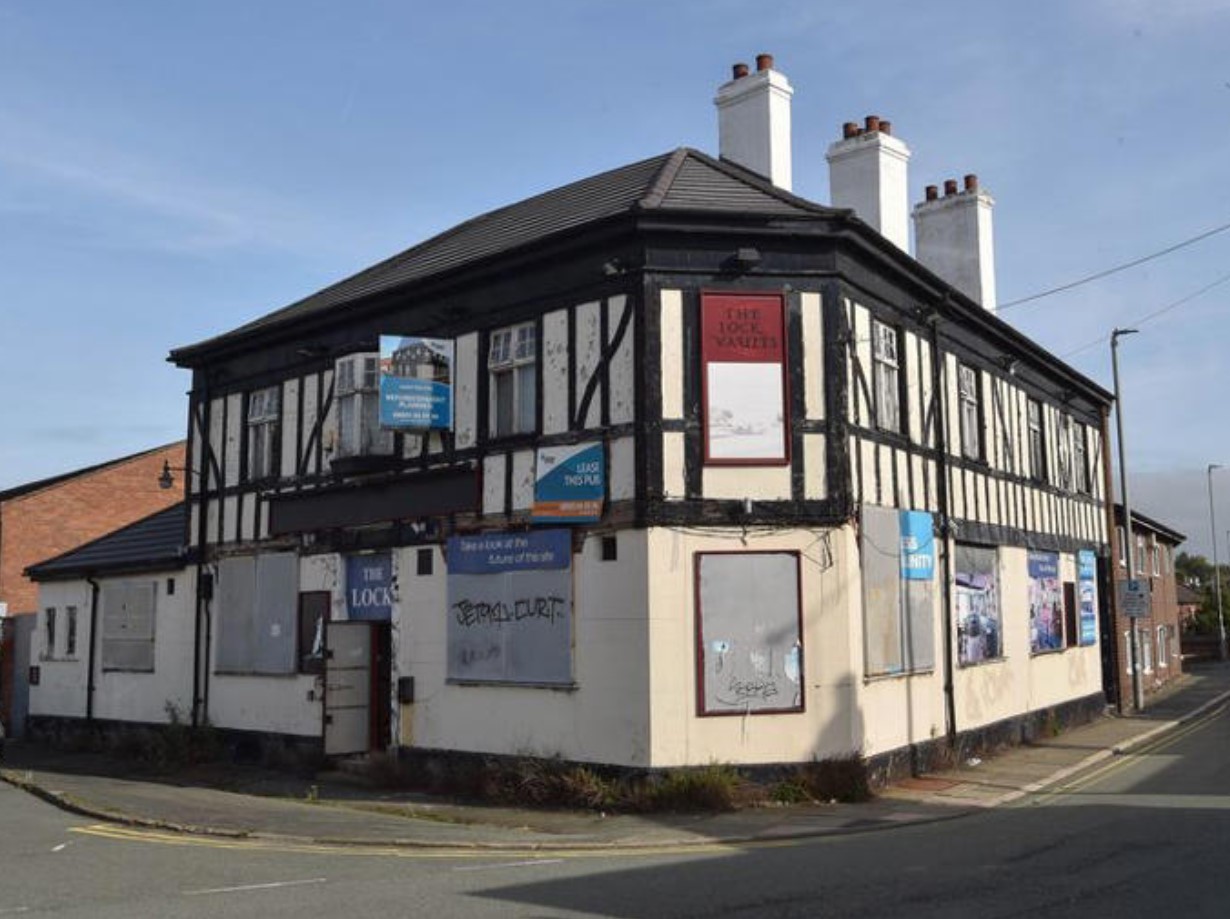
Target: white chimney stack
point(754, 120)
point(868, 173)
point(952, 236)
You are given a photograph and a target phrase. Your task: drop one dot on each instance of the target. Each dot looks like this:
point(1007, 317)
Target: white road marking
point(525, 864)
point(247, 887)
point(60, 848)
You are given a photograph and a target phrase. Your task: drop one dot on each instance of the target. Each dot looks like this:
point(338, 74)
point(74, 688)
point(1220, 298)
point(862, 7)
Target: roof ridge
point(665, 178)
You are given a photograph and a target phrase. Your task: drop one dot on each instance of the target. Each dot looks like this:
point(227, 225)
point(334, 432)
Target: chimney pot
point(849, 129)
point(886, 127)
point(764, 62)
point(950, 187)
point(971, 182)
point(933, 193)
point(739, 71)
point(873, 123)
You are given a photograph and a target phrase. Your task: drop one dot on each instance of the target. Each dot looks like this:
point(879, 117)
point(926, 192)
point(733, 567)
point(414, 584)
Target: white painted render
point(869, 173)
point(953, 236)
point(143, 697)
point(754, 124)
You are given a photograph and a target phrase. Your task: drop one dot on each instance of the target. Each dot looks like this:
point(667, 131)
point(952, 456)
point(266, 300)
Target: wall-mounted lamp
point(745, 258)
point(614, 267)
point(1009, 364)
point(166, 478)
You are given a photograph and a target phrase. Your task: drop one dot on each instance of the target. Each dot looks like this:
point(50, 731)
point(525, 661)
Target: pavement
point(336, 809)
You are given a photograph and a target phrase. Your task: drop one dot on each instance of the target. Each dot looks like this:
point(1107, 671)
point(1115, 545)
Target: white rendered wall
point(141, 697)
point(831, 724)
point(605, 718)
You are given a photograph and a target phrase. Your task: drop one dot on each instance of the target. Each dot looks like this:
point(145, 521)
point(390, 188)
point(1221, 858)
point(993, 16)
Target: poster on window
point(416, 383)
point(510, 608)
point(743, 350)
point(979, 632)
point(1045, 603)
point(1087, 595)
point(569, 484)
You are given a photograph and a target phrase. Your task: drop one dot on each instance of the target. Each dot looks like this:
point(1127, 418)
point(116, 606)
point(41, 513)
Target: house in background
point(1157, 635)
point(45, 518)
point(113, 640)
point(726, 475)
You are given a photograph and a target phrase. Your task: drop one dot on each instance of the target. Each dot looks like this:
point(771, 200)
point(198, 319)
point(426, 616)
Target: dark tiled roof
point(681, 181)
point(152, 543)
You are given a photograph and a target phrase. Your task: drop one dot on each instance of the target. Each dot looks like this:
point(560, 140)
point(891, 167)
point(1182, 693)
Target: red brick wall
point(1165, 608)
point(42, 524)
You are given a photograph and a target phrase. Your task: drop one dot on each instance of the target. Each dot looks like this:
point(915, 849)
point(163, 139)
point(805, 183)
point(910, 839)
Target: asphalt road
point(1146, 835)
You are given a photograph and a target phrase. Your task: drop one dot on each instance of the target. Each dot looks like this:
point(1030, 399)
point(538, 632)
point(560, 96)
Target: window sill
point(897, 675)
point(514, 684)
point(989, 660)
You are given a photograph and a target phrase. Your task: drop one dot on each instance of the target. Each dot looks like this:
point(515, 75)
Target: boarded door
point(348, 687)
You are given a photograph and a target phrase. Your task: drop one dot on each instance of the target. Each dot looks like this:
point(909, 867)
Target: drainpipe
point(89, 677)
point(941, 496)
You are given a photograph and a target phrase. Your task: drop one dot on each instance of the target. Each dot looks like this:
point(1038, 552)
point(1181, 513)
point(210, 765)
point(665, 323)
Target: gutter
point(939, 390)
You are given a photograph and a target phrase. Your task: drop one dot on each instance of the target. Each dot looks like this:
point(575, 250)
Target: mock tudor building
point(717, 473)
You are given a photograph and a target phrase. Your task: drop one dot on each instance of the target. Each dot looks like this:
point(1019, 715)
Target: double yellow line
point(1120, 761)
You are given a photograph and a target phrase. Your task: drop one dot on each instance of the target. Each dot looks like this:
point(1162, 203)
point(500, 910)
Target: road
point(1145, 835)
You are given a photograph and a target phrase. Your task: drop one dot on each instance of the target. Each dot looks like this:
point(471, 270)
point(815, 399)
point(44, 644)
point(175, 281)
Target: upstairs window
point(887, 377)
point(358, 407)
point(971, 413)
point(512, 359)
point(1157, 557)
point(264, 415)
point(1037, 440)
point(1080, 463)
point(1065, 452)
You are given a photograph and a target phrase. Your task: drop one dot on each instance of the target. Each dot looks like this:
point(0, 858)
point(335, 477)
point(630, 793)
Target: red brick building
point(1157, 635)
point(43, 519)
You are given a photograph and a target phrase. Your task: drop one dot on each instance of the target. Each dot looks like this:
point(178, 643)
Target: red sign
point(742, 328)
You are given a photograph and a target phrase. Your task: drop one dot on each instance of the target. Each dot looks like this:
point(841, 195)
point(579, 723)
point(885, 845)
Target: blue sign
point(1087, 600)
point(917, 546)
point(369, 587)
point(569, 484)
point(492, 553)
point(416, 391)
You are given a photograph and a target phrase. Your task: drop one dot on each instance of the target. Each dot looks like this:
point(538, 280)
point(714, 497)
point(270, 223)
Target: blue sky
point(169, 171)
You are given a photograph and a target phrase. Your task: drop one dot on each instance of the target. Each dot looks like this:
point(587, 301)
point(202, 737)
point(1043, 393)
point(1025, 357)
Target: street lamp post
point(1138, 693)
point(1221, 621)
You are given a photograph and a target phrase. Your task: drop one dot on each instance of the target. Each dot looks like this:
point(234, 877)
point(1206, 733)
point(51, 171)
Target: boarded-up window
point(257, 614)
point(748, 633)
point(510, 608)
point(898, 560)
point(128, 626)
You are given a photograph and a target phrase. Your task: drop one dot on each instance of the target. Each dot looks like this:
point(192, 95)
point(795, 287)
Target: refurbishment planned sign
point(569, 484)
point(743, 349)
point(416, 383)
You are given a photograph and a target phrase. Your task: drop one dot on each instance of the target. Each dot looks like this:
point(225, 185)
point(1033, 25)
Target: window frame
point(969, 402)
point(70, 631)
point(356, 385)
point(512, 355)
point(49, 633)
point(1036, 429)
point(1081, 480)
point(886, 376)
point(262, 427)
